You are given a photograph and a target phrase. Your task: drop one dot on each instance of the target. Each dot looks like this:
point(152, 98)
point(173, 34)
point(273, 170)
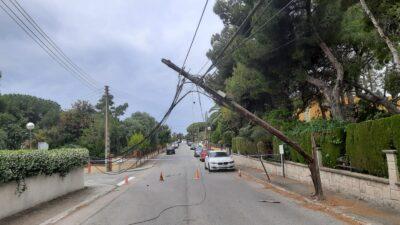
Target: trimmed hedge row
point(331, 142)
point(362, 143)
point(16, 165)
point(365, 142)
point(244, 146)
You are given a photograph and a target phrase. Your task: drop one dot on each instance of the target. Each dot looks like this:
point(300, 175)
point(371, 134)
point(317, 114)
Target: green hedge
point(332, 143)
point(365, 142)
point(16, 165)
point(244, 146)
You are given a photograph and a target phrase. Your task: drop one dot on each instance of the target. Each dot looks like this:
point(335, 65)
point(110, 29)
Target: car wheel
point(205, 166)
point(209, 168)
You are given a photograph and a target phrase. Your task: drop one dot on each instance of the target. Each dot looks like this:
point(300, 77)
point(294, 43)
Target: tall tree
point(392, 47)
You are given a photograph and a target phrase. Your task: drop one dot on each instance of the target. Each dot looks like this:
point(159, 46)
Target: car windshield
point(218, 154)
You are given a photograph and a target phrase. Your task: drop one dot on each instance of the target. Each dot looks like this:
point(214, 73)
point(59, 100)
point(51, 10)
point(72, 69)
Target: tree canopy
point(81, 125)
point(293, 55)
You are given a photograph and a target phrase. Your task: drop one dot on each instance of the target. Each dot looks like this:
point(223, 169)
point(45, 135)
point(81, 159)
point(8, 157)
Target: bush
point(329, 135)
point(244, 146)
point(365, 142)
point(262, 147)
point(227, 138)
point(16, 165)
point(332, 145)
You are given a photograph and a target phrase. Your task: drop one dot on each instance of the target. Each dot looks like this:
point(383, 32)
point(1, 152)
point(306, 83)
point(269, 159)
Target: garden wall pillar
point(391, 157)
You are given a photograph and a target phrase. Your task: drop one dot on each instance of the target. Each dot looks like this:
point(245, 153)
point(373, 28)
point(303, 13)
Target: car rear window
point(218, 154)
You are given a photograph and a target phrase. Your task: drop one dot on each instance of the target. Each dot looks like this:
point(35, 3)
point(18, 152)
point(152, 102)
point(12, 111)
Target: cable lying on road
point(178, 205)
point(269, 201)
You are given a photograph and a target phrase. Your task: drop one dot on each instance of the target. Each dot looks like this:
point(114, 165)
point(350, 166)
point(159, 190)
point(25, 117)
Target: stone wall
point(370, 188)
point(39, 189)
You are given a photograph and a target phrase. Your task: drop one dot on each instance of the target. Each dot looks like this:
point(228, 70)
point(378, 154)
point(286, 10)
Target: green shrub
point(365, 142)
point(16, 165)
point(244, 146)
point(331, 141)
point(332, 145)
point(262, 147)
point(227, 138)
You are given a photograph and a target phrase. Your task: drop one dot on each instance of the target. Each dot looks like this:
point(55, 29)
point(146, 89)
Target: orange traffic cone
point(240, 173)
point(126, 180)
point(197, 175)
point(161, 177)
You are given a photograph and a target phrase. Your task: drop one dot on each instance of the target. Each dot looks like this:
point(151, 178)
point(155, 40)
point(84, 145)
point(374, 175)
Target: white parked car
point(219, 160)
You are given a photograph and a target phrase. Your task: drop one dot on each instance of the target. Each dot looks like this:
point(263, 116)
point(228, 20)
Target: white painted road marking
point(123, 182)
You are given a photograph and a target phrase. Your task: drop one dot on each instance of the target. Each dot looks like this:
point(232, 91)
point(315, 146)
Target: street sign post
point(282, 152)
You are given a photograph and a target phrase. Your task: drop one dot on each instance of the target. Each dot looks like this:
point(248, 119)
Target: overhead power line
point(258, 30)
point(52, 43)
point(33, 30)
point(244, 22)
point(195, 33)
point(175, 101)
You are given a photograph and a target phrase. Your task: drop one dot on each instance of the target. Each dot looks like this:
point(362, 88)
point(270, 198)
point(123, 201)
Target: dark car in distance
point(170, 150)
point(198, 151)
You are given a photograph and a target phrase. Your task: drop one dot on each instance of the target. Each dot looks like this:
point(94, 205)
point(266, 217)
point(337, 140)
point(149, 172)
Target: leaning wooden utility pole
point(221, 99)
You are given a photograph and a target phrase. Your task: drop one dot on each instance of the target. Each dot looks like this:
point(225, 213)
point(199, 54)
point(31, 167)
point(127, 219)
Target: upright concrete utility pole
point(221, 99)
point(106, 132)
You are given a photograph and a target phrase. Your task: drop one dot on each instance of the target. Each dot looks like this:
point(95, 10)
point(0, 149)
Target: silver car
point(219, 160)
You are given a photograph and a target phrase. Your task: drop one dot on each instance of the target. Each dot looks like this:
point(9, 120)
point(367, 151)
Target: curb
point(87, 202)
point(70, 211)
point(333, 210)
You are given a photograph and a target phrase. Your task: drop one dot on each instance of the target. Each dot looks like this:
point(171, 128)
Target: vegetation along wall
point(365, 142)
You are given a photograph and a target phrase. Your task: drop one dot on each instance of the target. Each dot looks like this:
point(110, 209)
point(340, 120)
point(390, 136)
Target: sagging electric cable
point(174, 103)
point(244, 22)
point(258, 30)
point(45, 45)
point(178, 205)
point(179, 87)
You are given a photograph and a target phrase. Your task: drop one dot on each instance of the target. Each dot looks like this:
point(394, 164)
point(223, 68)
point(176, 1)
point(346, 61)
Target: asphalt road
point(218, 198)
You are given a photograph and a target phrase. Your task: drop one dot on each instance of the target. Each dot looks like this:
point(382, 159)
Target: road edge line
point(87, 202)
point(75, 208)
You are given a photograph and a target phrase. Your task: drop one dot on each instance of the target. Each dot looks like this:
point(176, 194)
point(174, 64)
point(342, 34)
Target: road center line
point(123, 182)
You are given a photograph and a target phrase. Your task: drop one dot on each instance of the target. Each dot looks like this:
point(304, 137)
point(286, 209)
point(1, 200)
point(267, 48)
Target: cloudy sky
point(119, 43)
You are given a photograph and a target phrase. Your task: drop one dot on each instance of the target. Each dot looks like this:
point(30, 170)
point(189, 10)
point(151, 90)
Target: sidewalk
point(335, 203)
point(97, 185)
point(46, 211)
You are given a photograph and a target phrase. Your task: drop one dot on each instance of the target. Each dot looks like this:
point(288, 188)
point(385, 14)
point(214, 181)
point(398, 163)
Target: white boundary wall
point(39, 189)
point(370, 188)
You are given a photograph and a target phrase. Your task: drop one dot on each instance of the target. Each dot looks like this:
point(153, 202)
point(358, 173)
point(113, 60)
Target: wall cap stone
point(336, 171)
point(270, 162)
point(391, 151)
point(356, 175)
point(296, 164)
point(273, 163)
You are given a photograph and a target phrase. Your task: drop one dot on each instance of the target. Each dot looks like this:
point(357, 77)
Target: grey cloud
point(119, 43)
